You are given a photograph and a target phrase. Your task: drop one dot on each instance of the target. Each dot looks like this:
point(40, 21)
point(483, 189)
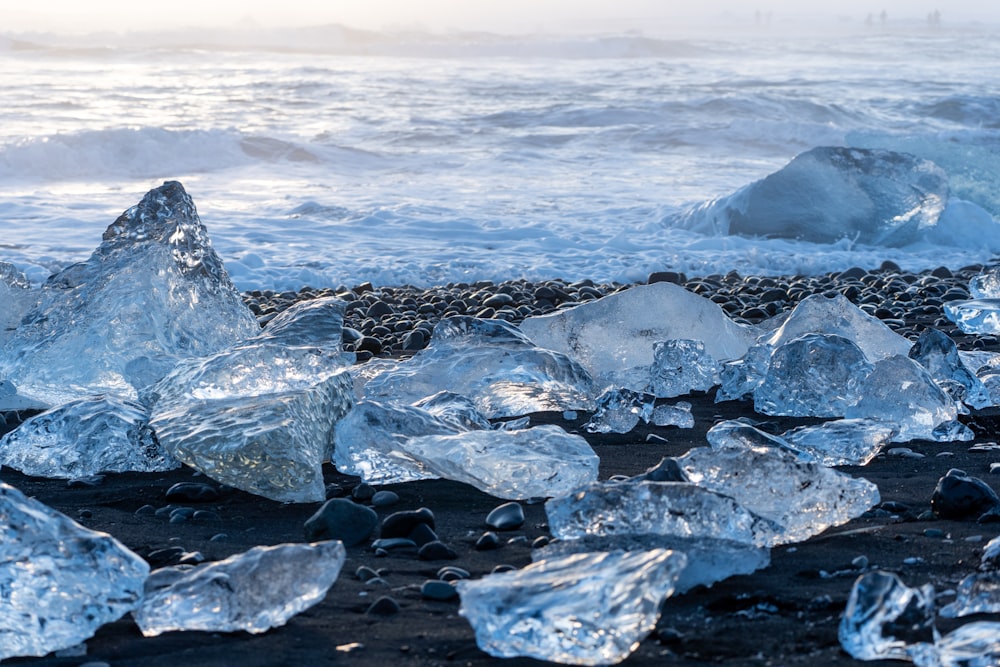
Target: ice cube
point(975, 316)
point(681, 366)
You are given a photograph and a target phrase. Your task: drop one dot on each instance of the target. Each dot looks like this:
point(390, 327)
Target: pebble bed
point(395, 321)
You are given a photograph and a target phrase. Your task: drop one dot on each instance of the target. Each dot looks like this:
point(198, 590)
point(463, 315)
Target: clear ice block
point(885, 619)
point(59, 581)
point(584, 609)
point(252, 591)
point(680, 367)
point(16, 297)
point(975, 316)
point(152, 293)
point(938, 353)
point(841, 442)
point(620, 411)
point(986, 285)
point(678, 415)
point(86, 437)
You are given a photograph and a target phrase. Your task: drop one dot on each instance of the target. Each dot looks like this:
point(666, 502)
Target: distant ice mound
point(870, 196)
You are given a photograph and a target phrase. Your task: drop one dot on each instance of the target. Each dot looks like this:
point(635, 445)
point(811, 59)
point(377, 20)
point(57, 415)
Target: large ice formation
point(252, 591)
point(618, 331)
point(871, 196)
point(583, 609)
point(491, 362)
point(59, 582)
point(152, 293)
point(86, 437)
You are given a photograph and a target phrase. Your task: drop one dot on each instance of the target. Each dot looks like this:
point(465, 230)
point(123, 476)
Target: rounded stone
point(414, 340)
point(958, 496)
point(364, 573)
point(436, 550)
point(488, 541)
point(385, 498)
point(341, 519)
point(509, 516)
point(363, 492)
point(384, 606)
point(193, 492)
point(400, 524)
point(422, 534)
point(435, 589)
point(452, 573)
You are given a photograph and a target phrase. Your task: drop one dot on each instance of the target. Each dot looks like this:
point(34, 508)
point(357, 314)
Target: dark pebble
point(192, 492)
point(164, 556)
point(363, 492)
point(384, 606)
point(85, 514)
point(414, 340)
point(436, 551)
point(399, 524)
point(509, 516)
point(666, 277)
point(364, 573)
point(378, 309)
point(452, 573)
point(390, 543)
point(488, 541)
point(539, 542)
point(958, 496)
point(369, 344)
point(146, 510)
point(181, 514)
point(435, 589)
point(206, 515)
point(191, 558)
point(334, 490)
point(503, 567)
point(385, 498)
point(422, 534)
point(88, 482)
point(341, 519)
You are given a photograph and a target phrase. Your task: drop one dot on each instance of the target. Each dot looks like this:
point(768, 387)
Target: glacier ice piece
point(678, 415)
point(584, 609)
point(709, 560)
point(901, 393)
point(273, 445)
point(814, 375)
point(841, 442)
point(777, 482)
point(971, 645)
point(491, 362)
point(620, 411)
point(681, 366)
point(59, 581)
point(885, 619)
point(16, 297)
point(740, 377)
point(986, 285)
point(86, 437)
point(871, 196)
point(978, 593)
point(252, 591)
point(370, 441)
point(640, 507)
point(152, 293)
point(938, 353)
point(975, 316)
point(537, 462)
point(618, 331)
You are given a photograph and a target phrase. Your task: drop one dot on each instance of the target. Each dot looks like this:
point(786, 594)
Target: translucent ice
point(635, 507)
point(977, 593)
point(936, 352)
point(59, 582)
point(885, 619)
point(620, 411)
point(537, 462)
point(976, 316)
point(86, 437)
point(814, 375)
point(971, 645)
point(15, 299)
point(902, 394)
point(680, 366)
point(491, 362)
point(584, 609)
point(678, 415)
point(871, 196)
point(774, 481)
point(618, 331)
point(841, 442)
point(152, 293)
point(986, 285)
point(253, 591)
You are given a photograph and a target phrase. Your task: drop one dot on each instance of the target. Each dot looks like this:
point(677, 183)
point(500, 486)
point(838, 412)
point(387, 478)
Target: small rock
point(539, 542)
point(206, 515)
point(958, 496)
point(363, 492)
point(509, 516)
point(390, 543)
point(400, 524)
point(365, 573)
point(995, 468)
point(218, 537)
point(194, 492)
point(435, 589)
point(341, 519)
point(452, 573)
point(165, 556)
point(385, 498)
point(488, 541)
point(436, 551)
point(502, 567)
point(145, 510)
point(384, 606)
point(85, 514)
point(334, 490)
point(422, 534)
point(191, 558)
point(88, 482)
point(936, 533)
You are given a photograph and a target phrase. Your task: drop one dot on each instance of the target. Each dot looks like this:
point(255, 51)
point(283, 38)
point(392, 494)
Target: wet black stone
point(88, 482)
point(145, 510)
point(488, 541)
point(164, 556)
point(384, 606)
point(181, 514)
point(363, 492)
point(206, 516)
point(436, 551)
point(341, 519)
point(400, 524)
point(365, 573)
point(369, 344)
point(378, 309)
point(773, 294)
point(667, 470)
point(435, 589)
point(958, 496)
point(666, 277)
point(414, 340)
point(498, 301)
point(193, 492)
point(539, 542)
point(422, 534)
point(390, 543)
point(385, 498)
point(509, 516)
point(452, 573)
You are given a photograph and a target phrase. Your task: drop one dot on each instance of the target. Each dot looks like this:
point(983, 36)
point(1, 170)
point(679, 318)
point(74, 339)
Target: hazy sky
point(497, 15)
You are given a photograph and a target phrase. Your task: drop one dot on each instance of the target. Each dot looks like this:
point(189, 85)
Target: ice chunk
point(885, 619)
point(273, 445)
point(901, 393)
point(253, 591)
point(709, 560)
point(639, 507)
point(986, 285)
point(841, 442)
point(584, 609)
point(620, 410)
point(59, 582)
point(16, 296)
point(977, 593)
point(618, 331)
point(936, 352)
point(741, 377)
point(370, 441)
point(871, 196)
point(491, 362)
point(152, 293)
point(86, 437)
point(536, 462)
point(678, 415)
point(772, 480)
point(814, 375)
point(680, 366)
point(971, 645)
point(975, 316)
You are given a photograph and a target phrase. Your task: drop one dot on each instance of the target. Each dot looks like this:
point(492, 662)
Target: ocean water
point(330, 157)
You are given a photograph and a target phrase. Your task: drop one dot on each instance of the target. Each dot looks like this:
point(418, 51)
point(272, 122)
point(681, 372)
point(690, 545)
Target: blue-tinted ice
point(975, 316)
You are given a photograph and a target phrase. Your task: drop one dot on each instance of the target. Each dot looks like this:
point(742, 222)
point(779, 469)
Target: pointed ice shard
point(371, 440)
point(976, 316)
point(774, 481)
point(814, 375)
point(59, 582)
point(252, 591)
point(537, 462)
point(676, 509)
point(584, 609)
point(618, 331)
point(936, 352)
point(620, 410)
point(885, 619)
point(841, 442)
point(902, 394)
point(152, 293)
point(680, 366)
point(491, 362)
point(86, 437)
point(986, 285)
